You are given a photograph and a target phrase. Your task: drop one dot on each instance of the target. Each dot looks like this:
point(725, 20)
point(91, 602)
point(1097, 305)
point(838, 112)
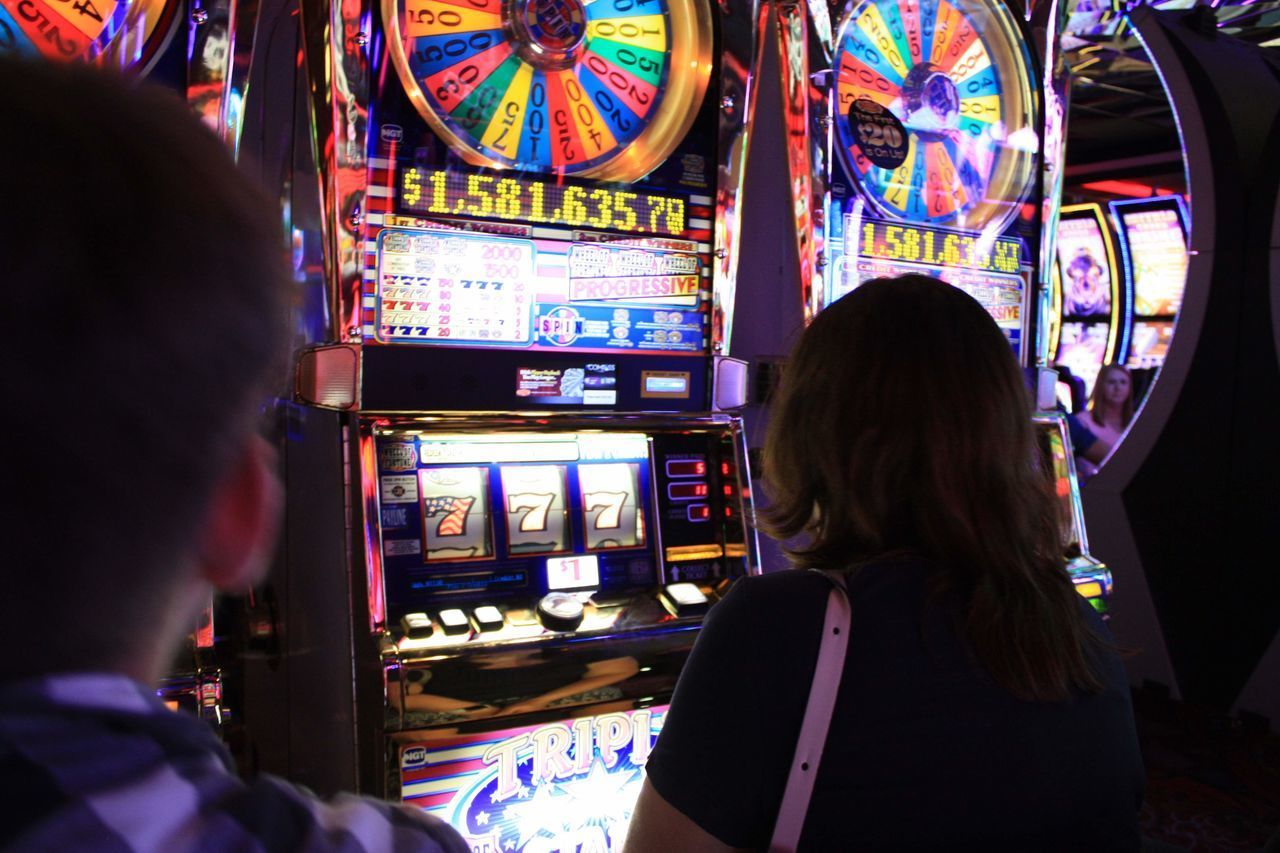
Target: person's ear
point(240, 527)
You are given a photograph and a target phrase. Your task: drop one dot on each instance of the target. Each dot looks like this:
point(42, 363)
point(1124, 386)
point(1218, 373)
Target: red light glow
point(1132, 189)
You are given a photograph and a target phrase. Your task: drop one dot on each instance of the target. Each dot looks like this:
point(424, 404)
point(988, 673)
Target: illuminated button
point(685, 599)
point(488, 618)
point(454, 621)
point(558, 611)
point(698, 512)
point(416, 626)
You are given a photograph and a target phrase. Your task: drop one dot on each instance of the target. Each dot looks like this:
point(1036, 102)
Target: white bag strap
point(817, 720)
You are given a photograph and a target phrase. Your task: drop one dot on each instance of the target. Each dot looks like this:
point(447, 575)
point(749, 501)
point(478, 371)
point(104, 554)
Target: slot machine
point(917, 136)
point(1153, 243)
point(1091, 577)
point(529, 243)
point(1089, 300)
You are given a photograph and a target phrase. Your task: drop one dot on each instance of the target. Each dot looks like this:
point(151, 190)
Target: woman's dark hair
point(1096, 398)
point(903, 424)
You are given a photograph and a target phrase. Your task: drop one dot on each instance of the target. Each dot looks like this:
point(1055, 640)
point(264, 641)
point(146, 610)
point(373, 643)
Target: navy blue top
point(1082, 438)
point(925, 751)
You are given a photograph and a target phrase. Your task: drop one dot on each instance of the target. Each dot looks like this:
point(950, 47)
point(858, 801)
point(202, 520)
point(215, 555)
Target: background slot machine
point(1089, 300)
point(921, 156)
point(929, 126)
point(1153, 243)
point(530, 220)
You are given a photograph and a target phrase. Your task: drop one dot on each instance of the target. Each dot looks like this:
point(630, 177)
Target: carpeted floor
point(1213, 783)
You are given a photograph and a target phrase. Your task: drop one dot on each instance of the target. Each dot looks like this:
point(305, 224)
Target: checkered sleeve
point(92, 761)
point(282, 817)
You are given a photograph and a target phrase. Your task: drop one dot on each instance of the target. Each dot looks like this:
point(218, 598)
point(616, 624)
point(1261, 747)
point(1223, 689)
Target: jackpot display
point(467, 517)
point(928, 130)
point(531, 257)
point(1089, 300)
point(1153, 241)
point(456, 288)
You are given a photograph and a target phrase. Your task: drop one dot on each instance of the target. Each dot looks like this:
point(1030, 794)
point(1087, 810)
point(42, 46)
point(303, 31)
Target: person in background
point(982, 705)
point(1111, 404)
point(1098, 431)
point(146, 290)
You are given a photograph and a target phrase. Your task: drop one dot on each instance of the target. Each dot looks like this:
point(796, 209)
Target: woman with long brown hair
point(1111, 404)
point(979, 704)
point(1110, 411)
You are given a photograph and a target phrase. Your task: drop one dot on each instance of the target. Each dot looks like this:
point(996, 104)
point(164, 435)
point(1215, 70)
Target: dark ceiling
point(1120, 124)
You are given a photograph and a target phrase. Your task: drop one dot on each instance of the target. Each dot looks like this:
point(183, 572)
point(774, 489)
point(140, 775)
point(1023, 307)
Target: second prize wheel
point(589, 88)
point(126, 34)
point(956, 75)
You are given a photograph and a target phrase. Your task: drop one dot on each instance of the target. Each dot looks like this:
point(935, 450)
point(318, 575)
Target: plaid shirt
point(95, 761)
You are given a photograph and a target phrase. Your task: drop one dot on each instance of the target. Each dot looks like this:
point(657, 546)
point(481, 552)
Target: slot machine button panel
point(416, 626)
point(685, 599)
point(454, 621)
point(488, 618)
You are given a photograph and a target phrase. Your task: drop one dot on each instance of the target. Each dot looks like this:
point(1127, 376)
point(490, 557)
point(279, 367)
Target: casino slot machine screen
point(1089, 298)
point(1153, 240)
point(537, 297)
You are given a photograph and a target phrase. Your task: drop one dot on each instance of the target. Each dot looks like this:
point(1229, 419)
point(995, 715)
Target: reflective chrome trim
point(334, 46)
point(740, 27)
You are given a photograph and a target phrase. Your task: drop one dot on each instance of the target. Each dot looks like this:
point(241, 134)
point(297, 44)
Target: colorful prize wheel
point(590, 88)
point(112, 32)
point(935, 110)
